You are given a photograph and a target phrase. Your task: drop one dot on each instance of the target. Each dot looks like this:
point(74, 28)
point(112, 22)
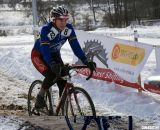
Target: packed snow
point(109, 98)
point(9, 123)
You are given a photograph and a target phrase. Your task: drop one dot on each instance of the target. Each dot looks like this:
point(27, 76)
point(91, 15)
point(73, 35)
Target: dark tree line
point(120, 13)
point(116, 13)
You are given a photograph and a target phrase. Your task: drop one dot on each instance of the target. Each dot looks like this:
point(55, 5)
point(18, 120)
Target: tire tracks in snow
point(13, 102)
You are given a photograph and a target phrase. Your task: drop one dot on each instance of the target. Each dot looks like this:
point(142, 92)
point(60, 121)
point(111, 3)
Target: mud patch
point(11, 107)
point(13, 110)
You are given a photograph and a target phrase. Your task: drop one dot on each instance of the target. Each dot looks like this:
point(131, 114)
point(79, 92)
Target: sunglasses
point(62, 19)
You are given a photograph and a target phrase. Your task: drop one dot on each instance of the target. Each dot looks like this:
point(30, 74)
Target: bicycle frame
point(65, 93)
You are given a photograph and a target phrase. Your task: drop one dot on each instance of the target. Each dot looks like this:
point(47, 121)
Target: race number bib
point(52, 34)
point(66, 32)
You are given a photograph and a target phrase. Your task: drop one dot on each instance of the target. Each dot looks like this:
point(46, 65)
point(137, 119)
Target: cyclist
point(46, 55)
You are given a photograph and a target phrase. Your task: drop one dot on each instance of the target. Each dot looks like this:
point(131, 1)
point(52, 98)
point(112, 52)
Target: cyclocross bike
point(73, 103)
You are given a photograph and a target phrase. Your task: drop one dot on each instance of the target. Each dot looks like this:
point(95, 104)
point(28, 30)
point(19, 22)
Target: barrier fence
point(110, 74)
point(113, 76)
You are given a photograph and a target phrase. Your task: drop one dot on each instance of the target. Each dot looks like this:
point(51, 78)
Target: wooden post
point(157, 54)
point(136, 40)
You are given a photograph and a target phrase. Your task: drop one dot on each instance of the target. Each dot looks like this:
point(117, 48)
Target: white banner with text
point(125, 59)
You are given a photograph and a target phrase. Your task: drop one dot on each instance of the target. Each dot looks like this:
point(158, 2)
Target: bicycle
point(70, 103)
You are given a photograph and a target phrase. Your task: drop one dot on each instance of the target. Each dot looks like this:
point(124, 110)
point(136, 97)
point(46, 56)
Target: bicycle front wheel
point(77, 106)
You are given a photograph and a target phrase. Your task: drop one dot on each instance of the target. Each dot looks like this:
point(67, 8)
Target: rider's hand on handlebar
point(91, 65)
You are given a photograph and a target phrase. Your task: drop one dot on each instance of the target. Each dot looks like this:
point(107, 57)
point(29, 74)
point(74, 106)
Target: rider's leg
point(61, 84)
point(45, 70)
point(42, 67)
point(47, 83)
point(48, 80)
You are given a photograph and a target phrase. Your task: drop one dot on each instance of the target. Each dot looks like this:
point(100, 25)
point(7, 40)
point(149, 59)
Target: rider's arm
point(76, 47)
point(45, 45)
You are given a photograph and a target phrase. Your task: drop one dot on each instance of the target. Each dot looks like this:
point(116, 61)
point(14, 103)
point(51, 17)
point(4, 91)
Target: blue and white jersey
point(52, 39)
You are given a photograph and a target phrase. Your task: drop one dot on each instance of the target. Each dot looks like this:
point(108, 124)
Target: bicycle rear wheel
point(78, 104)
point(32, 94)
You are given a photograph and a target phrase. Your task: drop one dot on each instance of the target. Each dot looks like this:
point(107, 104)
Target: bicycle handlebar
point(81, 67)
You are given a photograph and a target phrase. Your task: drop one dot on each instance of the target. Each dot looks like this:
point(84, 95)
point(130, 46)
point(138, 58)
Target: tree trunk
point(126, 13)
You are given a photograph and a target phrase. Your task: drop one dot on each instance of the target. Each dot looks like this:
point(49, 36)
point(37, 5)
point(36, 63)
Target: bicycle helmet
point(59, 12)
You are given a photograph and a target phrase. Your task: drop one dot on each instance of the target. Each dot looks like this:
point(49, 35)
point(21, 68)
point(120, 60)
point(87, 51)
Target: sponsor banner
point(125, 58)
point(109, 75)
point(127, 54)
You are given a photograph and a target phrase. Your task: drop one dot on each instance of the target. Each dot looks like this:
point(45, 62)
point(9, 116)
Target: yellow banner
point(127, 54)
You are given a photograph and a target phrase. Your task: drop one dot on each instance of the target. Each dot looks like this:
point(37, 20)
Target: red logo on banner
point(116, 52)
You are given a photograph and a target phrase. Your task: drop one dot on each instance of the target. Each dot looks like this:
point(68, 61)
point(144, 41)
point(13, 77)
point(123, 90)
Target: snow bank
point(143, 31)
point(109, 99)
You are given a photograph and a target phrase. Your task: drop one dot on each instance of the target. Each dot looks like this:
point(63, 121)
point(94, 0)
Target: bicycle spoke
point(78, 105)
point(33, 91)
point(71, 107)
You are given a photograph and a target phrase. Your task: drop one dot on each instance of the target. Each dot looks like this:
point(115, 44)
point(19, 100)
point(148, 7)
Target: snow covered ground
point(109, 99)
point(9, 123)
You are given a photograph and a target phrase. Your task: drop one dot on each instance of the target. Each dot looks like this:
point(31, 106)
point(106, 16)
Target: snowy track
point(13, 108)
point(13, 91)
point(13, 100)
point(17, 73)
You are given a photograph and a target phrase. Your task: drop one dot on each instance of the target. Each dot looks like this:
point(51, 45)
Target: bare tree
point(108, 8)
point(13, 3)
point(72, 5)
point(156, 9)
point(87, 22)
point(94, 5)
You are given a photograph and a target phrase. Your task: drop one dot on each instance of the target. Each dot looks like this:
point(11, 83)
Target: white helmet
point(59, 12)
